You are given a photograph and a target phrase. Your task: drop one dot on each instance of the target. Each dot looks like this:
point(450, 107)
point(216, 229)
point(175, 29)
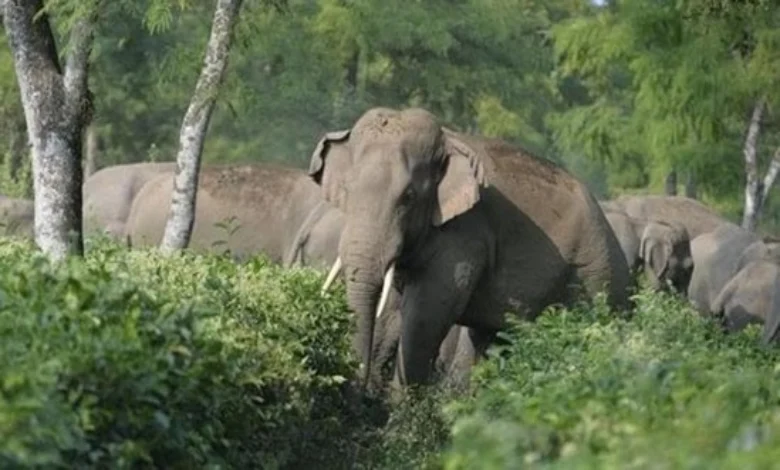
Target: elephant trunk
point(369, 271)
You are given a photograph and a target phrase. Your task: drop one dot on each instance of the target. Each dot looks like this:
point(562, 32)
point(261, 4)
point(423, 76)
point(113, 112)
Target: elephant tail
point(302, 235)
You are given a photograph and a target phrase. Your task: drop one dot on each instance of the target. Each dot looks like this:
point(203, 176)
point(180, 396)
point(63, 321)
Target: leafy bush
point(125, 359)
point(128, 359)
point(581, 389)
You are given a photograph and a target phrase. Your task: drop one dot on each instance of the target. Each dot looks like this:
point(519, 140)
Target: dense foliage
point(123, 359)
point(620, 91)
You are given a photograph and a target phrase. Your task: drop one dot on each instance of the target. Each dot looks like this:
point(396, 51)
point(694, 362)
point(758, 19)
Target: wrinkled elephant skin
point(471, 227)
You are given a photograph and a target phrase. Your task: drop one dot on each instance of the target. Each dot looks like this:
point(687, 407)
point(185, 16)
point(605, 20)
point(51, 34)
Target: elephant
point(108, 195)
point(751, 296)
point(247, 209)
point(458, 352)
point(317, 238)
point(468, 227)
point(717, 256)
point(662, 249)
point(17, 217)
point(665, 252)
point(687, 212)
point(628, 231)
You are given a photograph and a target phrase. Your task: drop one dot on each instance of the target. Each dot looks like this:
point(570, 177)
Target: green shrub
point(130, 359)
point(579, 389)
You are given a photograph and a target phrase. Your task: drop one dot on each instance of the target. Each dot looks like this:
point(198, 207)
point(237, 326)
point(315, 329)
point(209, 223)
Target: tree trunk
point(770, 177)
point(57, 106)
point(753, 185)
point(193, 129)
point(670, 184)
point(690, 184)
point(90, 152)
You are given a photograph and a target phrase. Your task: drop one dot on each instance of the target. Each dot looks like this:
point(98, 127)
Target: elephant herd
point(439, 235)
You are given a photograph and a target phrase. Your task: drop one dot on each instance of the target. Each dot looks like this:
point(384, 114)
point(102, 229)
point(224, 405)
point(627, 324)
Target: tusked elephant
point(109, 192)
point(752, 296)
point(17, 217)
point(247, 209)
point(469, 228)
point(662, 249)
point(687, 212)
point(717, 256)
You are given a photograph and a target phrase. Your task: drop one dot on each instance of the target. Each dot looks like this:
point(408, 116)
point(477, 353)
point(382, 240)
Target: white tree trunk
point(771, 176)
point(57, 106)
point(753, 189)
point(193, 129)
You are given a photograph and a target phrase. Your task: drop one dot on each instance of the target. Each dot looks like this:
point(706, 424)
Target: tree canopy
point(621, 93)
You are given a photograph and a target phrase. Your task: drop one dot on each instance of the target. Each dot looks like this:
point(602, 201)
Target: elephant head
point(395, 176)
point(666, 254)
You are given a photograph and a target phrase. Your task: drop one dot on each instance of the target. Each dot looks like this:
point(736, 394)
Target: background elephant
point(751, 296)
point(661, 248)
point(717, 256)
point(247, 209)
point(665, 251)
point(469, 227)
point(17, 217)
point(628, 231)
point(316, 243)
point(108, 195)
point(689, 213)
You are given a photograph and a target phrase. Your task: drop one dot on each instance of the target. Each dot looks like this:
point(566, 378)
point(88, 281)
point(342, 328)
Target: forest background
point(632, 96)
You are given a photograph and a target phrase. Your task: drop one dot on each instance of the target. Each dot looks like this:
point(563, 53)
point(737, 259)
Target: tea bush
point(130, 359)
point(582, 389)
point(133, 360)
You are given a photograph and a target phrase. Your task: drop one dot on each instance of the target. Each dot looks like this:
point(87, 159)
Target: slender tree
point(194, 126)
point(57, 107)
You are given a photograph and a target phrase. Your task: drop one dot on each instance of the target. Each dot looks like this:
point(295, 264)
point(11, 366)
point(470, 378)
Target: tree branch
point(31, 45)
point(749, 151)
point(77, 64)
point(771, 176)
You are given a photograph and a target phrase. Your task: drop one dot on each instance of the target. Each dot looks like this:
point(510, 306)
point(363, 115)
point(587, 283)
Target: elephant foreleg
point(435, 301)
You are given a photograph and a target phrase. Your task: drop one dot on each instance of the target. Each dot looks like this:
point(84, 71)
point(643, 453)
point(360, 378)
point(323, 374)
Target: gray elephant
point(628, 231)
point(662, 249)
point(247, 209)
point(317, 239)
point(109, 192)
point(752, 296)
point(17, 217)
point(717, 256)
point(687, 212)
point(469, 228)
point(458, 352)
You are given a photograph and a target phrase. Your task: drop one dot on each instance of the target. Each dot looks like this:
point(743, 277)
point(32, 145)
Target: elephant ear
point(655, 252)
point(330, 163)
point(463, 174)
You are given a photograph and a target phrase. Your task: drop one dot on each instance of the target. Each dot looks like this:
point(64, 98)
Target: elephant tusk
point(334, 271)
point(386, 284)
